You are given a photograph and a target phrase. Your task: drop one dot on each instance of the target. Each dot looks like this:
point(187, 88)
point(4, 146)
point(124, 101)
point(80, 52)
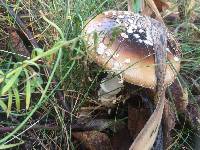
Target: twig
point(21, 24)
point(80, 125)
point(39, 127)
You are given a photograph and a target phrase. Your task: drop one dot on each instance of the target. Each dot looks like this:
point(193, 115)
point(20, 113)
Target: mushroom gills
point(109, 88)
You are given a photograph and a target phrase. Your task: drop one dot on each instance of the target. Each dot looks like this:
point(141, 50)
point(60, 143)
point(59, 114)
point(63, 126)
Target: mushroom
point(124, 44)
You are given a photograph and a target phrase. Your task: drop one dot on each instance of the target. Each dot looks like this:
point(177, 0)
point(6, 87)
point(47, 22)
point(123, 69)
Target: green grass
point(61, 23)
point(57, 26)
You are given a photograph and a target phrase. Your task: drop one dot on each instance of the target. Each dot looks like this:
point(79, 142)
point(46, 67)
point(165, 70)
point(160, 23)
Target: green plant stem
point(43, 94)
point(135, 5)
point(37, 105)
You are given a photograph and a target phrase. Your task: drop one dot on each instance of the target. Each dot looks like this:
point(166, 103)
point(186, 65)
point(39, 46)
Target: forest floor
point(49, 86)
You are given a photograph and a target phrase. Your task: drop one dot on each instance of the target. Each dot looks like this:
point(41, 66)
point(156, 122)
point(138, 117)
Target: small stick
point(46, 127)
point(21, 24)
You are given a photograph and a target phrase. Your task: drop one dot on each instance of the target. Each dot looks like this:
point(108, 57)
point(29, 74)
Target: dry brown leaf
point(162, 5)
point(137, 118)
point(169, 119)
point(122, 139)
point(153, 6)
point(93, 140)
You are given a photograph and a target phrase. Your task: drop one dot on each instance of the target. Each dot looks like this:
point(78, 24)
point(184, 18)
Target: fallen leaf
point(162, 4)
point(169, 121)
point(137, 118)
point(121, 140)
point(93, 140)
point(154, 8)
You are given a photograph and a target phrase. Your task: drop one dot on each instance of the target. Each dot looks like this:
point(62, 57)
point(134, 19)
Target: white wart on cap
point(125, 45)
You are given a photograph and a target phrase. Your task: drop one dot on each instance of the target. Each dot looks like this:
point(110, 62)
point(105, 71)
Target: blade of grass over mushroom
point(149, 133)
point(135, 5)
point(97, 75)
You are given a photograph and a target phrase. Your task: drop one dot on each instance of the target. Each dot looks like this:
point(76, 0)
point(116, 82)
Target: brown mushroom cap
point(125, 45)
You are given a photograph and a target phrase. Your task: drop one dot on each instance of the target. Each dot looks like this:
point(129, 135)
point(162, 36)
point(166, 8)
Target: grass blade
point(10, 97)
point(54, 25)
point(10, 145)
point(17, 99)
point(3, 105)
point(135, 5)
point(1, 76)
point(42, 98)
point(27, 90)
point(11, 81)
